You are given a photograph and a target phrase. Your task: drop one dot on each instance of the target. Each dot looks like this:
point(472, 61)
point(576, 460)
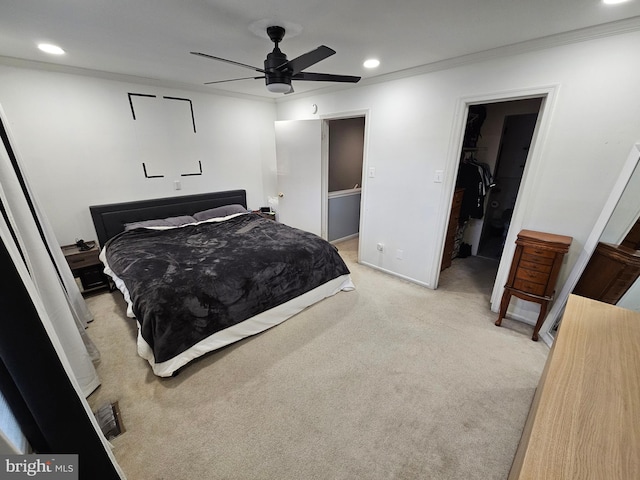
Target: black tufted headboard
point(109, 220)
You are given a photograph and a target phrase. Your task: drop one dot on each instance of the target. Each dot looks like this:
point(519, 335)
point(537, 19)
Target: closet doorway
point(501, 199)
point(496, 143)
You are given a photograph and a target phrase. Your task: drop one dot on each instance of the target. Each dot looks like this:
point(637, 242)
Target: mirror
point(618, 215)
point(624, 217)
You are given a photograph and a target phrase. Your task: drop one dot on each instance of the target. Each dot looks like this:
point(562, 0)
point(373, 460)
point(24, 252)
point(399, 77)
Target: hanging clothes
point(476, 178)
point(471, 180)
point(485, 172)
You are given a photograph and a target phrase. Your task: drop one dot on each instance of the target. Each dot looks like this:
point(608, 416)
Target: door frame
point(324, 210)
point(528, 184)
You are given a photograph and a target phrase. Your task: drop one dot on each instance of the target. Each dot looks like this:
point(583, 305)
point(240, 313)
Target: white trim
point(345, 193)
point(395, 274)
point(344, 239)
point(590, 244)
point(446, 197)
point(324, 179)
point(550, 41)
point(127, 78)
point(363, 198)
point(565, 38)
point(548, 93)
point(341, 116)
point(528, 187)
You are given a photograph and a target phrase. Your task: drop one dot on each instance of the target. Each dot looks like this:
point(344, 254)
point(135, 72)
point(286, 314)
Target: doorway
point(515, 141)
point(304, 194)
point(345, 159)
point(494, 153)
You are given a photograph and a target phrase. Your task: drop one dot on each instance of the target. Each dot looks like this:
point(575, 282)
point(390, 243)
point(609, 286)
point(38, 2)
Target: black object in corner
point(49, 410)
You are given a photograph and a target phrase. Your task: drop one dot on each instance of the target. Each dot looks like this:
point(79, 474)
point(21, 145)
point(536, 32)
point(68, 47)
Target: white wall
point(414, 128)
point(80, 145)
point(76, 137)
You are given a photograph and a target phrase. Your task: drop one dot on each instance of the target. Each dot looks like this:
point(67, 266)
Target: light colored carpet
point(390, 381)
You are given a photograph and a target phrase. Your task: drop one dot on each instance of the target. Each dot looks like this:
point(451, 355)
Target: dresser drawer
point(529, 287)
point(85, 259)
point(537, 266)
point(532, 276)
point(540, 253)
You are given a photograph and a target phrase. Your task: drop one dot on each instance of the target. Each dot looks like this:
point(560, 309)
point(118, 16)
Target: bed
point(199, 272)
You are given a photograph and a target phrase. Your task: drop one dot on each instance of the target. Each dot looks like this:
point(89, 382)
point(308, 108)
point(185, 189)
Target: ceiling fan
point(278, 71)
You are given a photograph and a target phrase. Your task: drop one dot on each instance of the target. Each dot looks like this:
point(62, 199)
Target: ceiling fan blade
point(305, 60)
point(325, 77)
point(232, 62)
point(233, 80)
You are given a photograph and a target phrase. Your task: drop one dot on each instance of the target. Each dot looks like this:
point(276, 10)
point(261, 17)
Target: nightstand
point(268, 215)
point(534, 271)
point(86, 266)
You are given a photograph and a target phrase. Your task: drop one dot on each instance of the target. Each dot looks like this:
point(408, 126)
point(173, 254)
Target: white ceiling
point(153, 38)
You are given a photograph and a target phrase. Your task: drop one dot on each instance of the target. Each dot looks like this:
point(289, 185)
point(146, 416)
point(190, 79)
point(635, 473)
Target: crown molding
point(551, 41)
point(121, 77)
point(574, 36)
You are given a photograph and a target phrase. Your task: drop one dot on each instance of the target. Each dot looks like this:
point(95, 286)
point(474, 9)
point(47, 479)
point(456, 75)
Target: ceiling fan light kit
point(277, 87)
point(279, 71)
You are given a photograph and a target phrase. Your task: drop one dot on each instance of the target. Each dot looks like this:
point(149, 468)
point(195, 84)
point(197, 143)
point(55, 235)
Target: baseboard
point(343, 239)
point(394, 274)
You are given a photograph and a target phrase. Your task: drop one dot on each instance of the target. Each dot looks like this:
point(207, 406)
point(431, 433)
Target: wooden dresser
point(584, 421)
point(611, 271)
point(534, 272)
point(454, 217)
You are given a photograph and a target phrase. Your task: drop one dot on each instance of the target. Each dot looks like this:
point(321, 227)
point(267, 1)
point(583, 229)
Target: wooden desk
point(584, 421)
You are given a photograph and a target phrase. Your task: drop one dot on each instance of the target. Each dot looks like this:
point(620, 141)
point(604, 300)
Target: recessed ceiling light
point(52, 49)
point(613, 2)
point(371, 63)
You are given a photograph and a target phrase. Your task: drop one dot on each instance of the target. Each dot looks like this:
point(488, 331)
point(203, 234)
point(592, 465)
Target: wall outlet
point(380, 247)
point(177, 185)
point(399, 254)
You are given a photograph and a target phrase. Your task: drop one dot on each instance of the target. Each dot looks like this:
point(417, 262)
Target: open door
point(299, 165)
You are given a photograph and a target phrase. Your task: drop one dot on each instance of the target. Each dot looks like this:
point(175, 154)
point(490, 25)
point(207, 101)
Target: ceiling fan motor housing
point(274, 60)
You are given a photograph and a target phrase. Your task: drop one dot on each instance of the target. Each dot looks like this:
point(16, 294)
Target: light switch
point(438, 176)
point(372, 172)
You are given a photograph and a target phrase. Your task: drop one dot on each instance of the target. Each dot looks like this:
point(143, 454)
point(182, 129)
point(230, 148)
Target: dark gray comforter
point(190, 282)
